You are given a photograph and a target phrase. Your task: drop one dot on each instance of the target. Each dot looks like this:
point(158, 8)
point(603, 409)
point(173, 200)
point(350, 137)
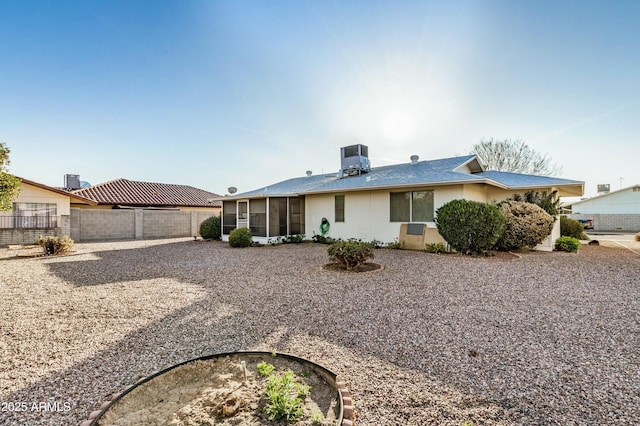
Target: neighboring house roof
point(445, 171)
point(135, 193)
point(615, 193)
point(77, 198)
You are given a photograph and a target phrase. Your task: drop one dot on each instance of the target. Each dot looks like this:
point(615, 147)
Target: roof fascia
point(58, 191)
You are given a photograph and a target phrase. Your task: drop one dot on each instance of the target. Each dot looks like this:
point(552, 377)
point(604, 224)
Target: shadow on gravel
point(546, 338)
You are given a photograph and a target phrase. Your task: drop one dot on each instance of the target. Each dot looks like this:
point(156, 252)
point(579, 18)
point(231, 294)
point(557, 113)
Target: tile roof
point(432, 172)
point(134, 193)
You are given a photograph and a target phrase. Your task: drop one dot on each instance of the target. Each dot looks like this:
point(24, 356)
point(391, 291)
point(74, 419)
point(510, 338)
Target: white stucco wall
point(626, 201)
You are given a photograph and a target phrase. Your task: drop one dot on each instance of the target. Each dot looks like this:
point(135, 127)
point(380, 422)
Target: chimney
point(414, 159)
point(309, 172)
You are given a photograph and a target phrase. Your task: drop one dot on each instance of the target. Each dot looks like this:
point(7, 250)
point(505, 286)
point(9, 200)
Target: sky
point(216, 94)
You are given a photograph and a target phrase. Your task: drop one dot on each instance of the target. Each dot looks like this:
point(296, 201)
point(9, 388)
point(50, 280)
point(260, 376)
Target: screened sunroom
point(267, 218)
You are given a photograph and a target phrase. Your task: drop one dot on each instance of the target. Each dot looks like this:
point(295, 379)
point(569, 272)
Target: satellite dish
point(232, 190)
point(84, 184)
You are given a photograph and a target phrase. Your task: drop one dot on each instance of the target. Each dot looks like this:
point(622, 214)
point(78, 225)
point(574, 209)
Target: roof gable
point(75, 197)
point(135, 193)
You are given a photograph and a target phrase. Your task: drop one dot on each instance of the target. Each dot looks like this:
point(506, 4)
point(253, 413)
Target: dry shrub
point(527, 225)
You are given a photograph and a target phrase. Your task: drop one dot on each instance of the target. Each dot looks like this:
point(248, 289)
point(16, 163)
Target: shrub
point(637, 237)
point(55, 245)
point(287, 239)
point(285, 397)
point(572, 228)
point(240, 237)
point(210, 229)
point(549, 202)
point(350, 254)
point(395, 245)
point(435, 248)
point(264, 368)
point(526, 225)
point(324, 240)
point(569, 244)
point(470, 227)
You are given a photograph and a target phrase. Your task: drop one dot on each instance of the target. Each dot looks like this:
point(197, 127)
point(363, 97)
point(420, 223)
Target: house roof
point(135, 193)
point(447, 171)
point(78, 198)
point(608, 194)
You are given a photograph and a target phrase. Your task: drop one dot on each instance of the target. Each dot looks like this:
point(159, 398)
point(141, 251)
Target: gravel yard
point(543, 338)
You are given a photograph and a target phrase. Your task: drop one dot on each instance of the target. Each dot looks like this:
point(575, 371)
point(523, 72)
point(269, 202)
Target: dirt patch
point(215, 392)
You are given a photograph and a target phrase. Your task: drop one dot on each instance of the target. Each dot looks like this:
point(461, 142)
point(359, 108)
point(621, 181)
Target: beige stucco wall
point(367, 212)
point(33, 194)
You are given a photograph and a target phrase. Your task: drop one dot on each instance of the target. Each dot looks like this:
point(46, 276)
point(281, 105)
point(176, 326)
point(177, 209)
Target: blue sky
point(216, 94)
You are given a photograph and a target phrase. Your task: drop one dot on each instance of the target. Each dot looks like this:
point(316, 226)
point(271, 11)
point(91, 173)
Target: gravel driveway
point(544, 338)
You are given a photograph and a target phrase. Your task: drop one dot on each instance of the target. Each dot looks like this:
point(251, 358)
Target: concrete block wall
point(23, 236)
point(612, 222)
point(166, 224)
point(97, 225)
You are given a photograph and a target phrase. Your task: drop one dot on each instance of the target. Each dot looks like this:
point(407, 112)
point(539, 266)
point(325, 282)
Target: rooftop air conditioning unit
point(354, 159)
point(72, 182)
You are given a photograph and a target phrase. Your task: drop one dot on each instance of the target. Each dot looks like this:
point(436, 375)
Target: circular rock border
point(346, 415)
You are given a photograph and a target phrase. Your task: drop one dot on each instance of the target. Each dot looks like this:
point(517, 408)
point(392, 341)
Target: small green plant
point(569, 244)
point(321, 239)
point(395, 245)
point(240, 237)
point(211, 229)
point(285, 397)
point(264, 369)
point(435, 248)
point(55, 245)
point(287, 239)
point(317, 418)
point(466, 424)
point(350, 254)
point(304, 373)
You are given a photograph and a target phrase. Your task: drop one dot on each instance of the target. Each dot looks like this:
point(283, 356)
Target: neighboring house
point(372, 203)
point(124, 193)
point(614, 211)
point(38, 210)
point(128, 209)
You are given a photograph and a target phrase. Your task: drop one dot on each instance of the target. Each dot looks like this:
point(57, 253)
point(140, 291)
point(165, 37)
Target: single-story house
point(612, 211)
point(124, 193)
point(127, 209)
point(372, 203)
point(38, 210)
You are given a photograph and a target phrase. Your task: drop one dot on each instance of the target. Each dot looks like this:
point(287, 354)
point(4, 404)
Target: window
point(228, 217)
point(35, 215)
point(416, 206)
point(258, 217)
point(339, 208)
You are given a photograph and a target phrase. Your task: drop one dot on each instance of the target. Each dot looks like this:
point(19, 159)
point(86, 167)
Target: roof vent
point(354, 159)
point(309, 172)
point(72, 182)
point(414, 159)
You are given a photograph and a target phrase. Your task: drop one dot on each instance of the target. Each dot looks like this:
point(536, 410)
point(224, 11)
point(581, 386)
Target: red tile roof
point(134, 193)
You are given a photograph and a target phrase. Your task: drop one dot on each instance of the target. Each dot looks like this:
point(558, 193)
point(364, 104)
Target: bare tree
point(9, 184)
point(509, 155)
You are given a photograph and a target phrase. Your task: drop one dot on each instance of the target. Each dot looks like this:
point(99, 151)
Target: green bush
point(324, 240)
point(435, 248)
point(211, 228)
point(572, 228)
point(470, 227)
point(569, 244)
point(285, 397)
point(395, 245)
point(240, 237)
point(526, 225)
point(350, 254)
point(55, 245)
